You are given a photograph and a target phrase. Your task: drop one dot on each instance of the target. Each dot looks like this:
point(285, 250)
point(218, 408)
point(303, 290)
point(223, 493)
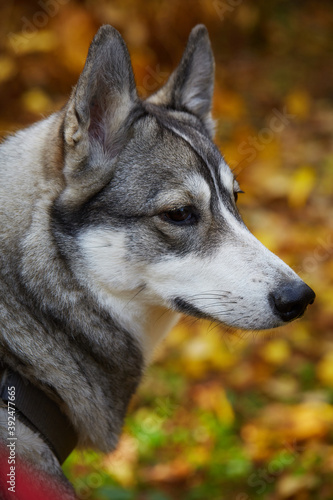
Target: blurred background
point(220, 414)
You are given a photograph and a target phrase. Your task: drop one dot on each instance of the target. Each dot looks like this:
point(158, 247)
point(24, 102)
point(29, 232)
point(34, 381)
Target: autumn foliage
point(221, 414)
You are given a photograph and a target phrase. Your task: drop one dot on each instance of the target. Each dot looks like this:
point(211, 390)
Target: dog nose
point(290, 301)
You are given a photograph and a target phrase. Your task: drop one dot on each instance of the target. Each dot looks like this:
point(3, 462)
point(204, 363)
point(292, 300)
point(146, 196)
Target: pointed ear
point(97, 113)
point(191, 85)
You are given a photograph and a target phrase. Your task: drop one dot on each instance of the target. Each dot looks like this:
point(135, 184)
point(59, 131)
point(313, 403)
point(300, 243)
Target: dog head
point(150, 204)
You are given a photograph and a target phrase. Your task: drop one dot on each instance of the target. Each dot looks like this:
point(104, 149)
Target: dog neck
point(36, 410)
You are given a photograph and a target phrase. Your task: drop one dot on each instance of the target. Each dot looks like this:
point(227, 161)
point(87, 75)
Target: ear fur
point(100, 104)
point(191, 85)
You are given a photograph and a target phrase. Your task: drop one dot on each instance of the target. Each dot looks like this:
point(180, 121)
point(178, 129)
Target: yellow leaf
point(212, 398)
point(198, 455)
point(325, 369)
point(36, 101)
point(38, 41)
point(179, 334)
point(310, 420)
point(299, 103)
point(223, 408)
point(301, 184)
point(275, 352)
point(268, 238)
point(301, 336)
point(206, 351)
point(258, 441)
point(7, 68)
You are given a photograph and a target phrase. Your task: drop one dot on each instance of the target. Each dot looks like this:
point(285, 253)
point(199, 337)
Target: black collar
point(39, 412)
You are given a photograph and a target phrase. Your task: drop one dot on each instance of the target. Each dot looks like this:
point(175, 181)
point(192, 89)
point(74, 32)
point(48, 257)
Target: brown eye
point(180, 216)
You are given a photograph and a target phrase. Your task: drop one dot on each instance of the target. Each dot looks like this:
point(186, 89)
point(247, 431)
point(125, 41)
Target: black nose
point(290, 301)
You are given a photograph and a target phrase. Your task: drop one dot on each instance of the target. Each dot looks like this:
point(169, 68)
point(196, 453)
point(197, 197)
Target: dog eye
point(180, 216)
point(236, 193)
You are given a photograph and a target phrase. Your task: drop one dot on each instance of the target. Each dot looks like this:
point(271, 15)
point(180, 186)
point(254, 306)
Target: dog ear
point(191, 85)
point(99, 108)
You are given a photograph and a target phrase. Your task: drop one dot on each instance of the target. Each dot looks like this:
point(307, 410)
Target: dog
point(117, 215)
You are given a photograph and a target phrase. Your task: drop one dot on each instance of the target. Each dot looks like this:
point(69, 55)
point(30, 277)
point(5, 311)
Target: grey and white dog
point(117, 215)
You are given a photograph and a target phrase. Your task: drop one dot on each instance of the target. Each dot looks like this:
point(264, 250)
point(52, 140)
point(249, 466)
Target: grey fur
point(107, 163)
